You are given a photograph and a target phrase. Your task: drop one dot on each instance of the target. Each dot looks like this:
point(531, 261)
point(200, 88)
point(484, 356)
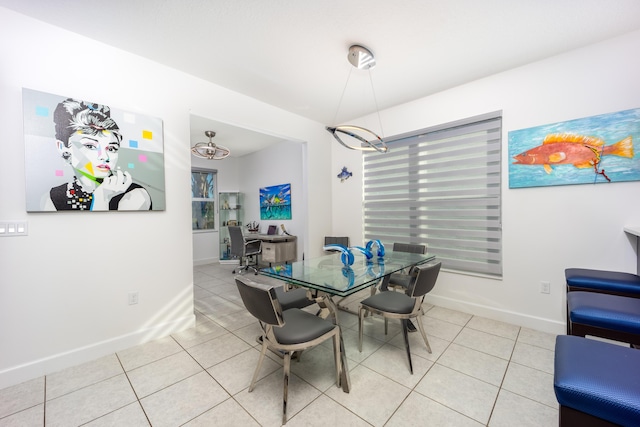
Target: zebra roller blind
point(440, 187)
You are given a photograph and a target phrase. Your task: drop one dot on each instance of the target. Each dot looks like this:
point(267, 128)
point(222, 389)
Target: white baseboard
point(37, 368)
point(523, 320)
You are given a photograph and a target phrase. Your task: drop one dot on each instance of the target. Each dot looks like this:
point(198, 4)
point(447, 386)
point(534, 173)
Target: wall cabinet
point(231, 213)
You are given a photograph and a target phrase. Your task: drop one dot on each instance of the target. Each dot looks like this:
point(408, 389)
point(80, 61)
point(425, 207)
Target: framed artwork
point(591, 150)
point(275, 202)
point(84, 156)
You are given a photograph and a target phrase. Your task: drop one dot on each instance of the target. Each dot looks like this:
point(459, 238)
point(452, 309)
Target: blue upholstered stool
point(602, 315)
point(596, 383)
point(608, 282)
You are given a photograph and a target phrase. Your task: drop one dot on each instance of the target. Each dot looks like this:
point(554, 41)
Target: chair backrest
point(409, 247)
point(237, 241)
point(426, 276)
point(344, 241)
point(260, 300)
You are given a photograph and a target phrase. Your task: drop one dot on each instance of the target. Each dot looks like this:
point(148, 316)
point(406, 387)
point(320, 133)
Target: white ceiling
point(292, 53)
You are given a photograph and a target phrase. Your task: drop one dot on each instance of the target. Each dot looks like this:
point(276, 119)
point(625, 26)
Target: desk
point(326, 276)
point(276, 249)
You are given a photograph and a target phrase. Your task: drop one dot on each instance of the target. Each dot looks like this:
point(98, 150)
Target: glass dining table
point(326, 277)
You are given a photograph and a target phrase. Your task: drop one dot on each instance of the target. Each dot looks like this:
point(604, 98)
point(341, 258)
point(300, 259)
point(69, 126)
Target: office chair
point(244, 249)
point(285, 331)
point(397, 305)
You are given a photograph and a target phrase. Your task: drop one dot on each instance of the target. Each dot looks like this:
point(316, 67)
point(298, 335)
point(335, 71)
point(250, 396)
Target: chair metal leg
point(360, 321)
point(386, 325)
point(285, 393)
point(405, 332)
point(336, 352)
point(263, 351)
point(424, 335)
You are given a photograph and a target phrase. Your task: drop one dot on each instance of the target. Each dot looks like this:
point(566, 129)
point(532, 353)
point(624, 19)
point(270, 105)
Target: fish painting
point(344, 174)
point(572, 149)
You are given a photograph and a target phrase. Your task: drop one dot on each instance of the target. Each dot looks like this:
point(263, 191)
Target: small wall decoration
point(344, 174)
point(591, 150)
point(85, 156)
point(275, 202)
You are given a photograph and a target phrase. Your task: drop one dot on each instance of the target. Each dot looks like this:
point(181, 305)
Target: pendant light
point(210, 151)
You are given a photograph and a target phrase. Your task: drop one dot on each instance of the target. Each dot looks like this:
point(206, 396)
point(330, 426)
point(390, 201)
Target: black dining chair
point(401, 280)
point(398, 305)
point(285, 331)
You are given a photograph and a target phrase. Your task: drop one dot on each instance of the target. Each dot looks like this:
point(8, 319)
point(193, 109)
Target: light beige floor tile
point(420, 410)
point(217, 306)
point(162, 373)
point(31, 417)
point(183, 401)
point(204, 331)
point(218, 350)
point(513, 410)
point(534, 357)
point(137, 356)
point(462, 393)
point(505, 330)
point(452, 316)
point(235, 373)
point(537, 338)
point(264, 403)
point(89, 403)
point(440, 328)
point(373, 326)
point(21, 396)
point(474, 363)
point(350, 338)
point(418, 347)
point(250, 333)
point(531, 383)
point(324, 412)
point(486, 343)
point(317, 367)
point(77, 377)
point(392, 362)
point(227, 414)
point(373, 397)
point(131, 416)
point(233, 321)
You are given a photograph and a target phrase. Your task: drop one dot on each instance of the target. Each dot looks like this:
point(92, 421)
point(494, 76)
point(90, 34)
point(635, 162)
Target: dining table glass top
point(328, 274)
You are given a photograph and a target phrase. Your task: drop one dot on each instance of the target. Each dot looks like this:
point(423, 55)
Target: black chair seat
point(400, 280)
point(301, 327)
point(293, 298)
point(391, 302)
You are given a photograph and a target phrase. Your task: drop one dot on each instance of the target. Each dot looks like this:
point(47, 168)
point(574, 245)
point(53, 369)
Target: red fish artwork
point(577, 150)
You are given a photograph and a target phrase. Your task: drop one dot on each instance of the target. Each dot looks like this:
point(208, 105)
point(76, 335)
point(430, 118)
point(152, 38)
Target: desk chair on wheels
point(244, 250)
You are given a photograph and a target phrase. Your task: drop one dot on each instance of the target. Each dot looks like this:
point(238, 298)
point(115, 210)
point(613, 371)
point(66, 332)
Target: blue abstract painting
point(591, 150)
point(275, 202)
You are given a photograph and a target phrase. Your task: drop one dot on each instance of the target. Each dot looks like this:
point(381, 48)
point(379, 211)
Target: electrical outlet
point(133, 298)
point(545, 287)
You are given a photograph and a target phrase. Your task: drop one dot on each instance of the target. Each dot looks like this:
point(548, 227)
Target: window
point(203, 199)
point(440, 187)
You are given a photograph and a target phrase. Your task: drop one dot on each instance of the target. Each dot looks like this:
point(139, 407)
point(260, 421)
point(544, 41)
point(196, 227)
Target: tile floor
point(481, 373)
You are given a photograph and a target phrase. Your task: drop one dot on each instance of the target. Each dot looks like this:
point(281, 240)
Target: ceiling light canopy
point(365, 140)
point(209, 150)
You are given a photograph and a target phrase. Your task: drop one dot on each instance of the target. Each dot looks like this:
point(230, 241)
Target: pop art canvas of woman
point(86, 156)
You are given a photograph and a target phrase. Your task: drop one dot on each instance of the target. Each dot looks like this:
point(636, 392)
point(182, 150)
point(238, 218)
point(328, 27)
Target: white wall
point(278, 164)
point(63, 288)
point(545, 230)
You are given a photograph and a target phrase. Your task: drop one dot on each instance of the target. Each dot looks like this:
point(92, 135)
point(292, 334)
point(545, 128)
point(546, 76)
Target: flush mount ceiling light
point(366, 140)
point(209, 150)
